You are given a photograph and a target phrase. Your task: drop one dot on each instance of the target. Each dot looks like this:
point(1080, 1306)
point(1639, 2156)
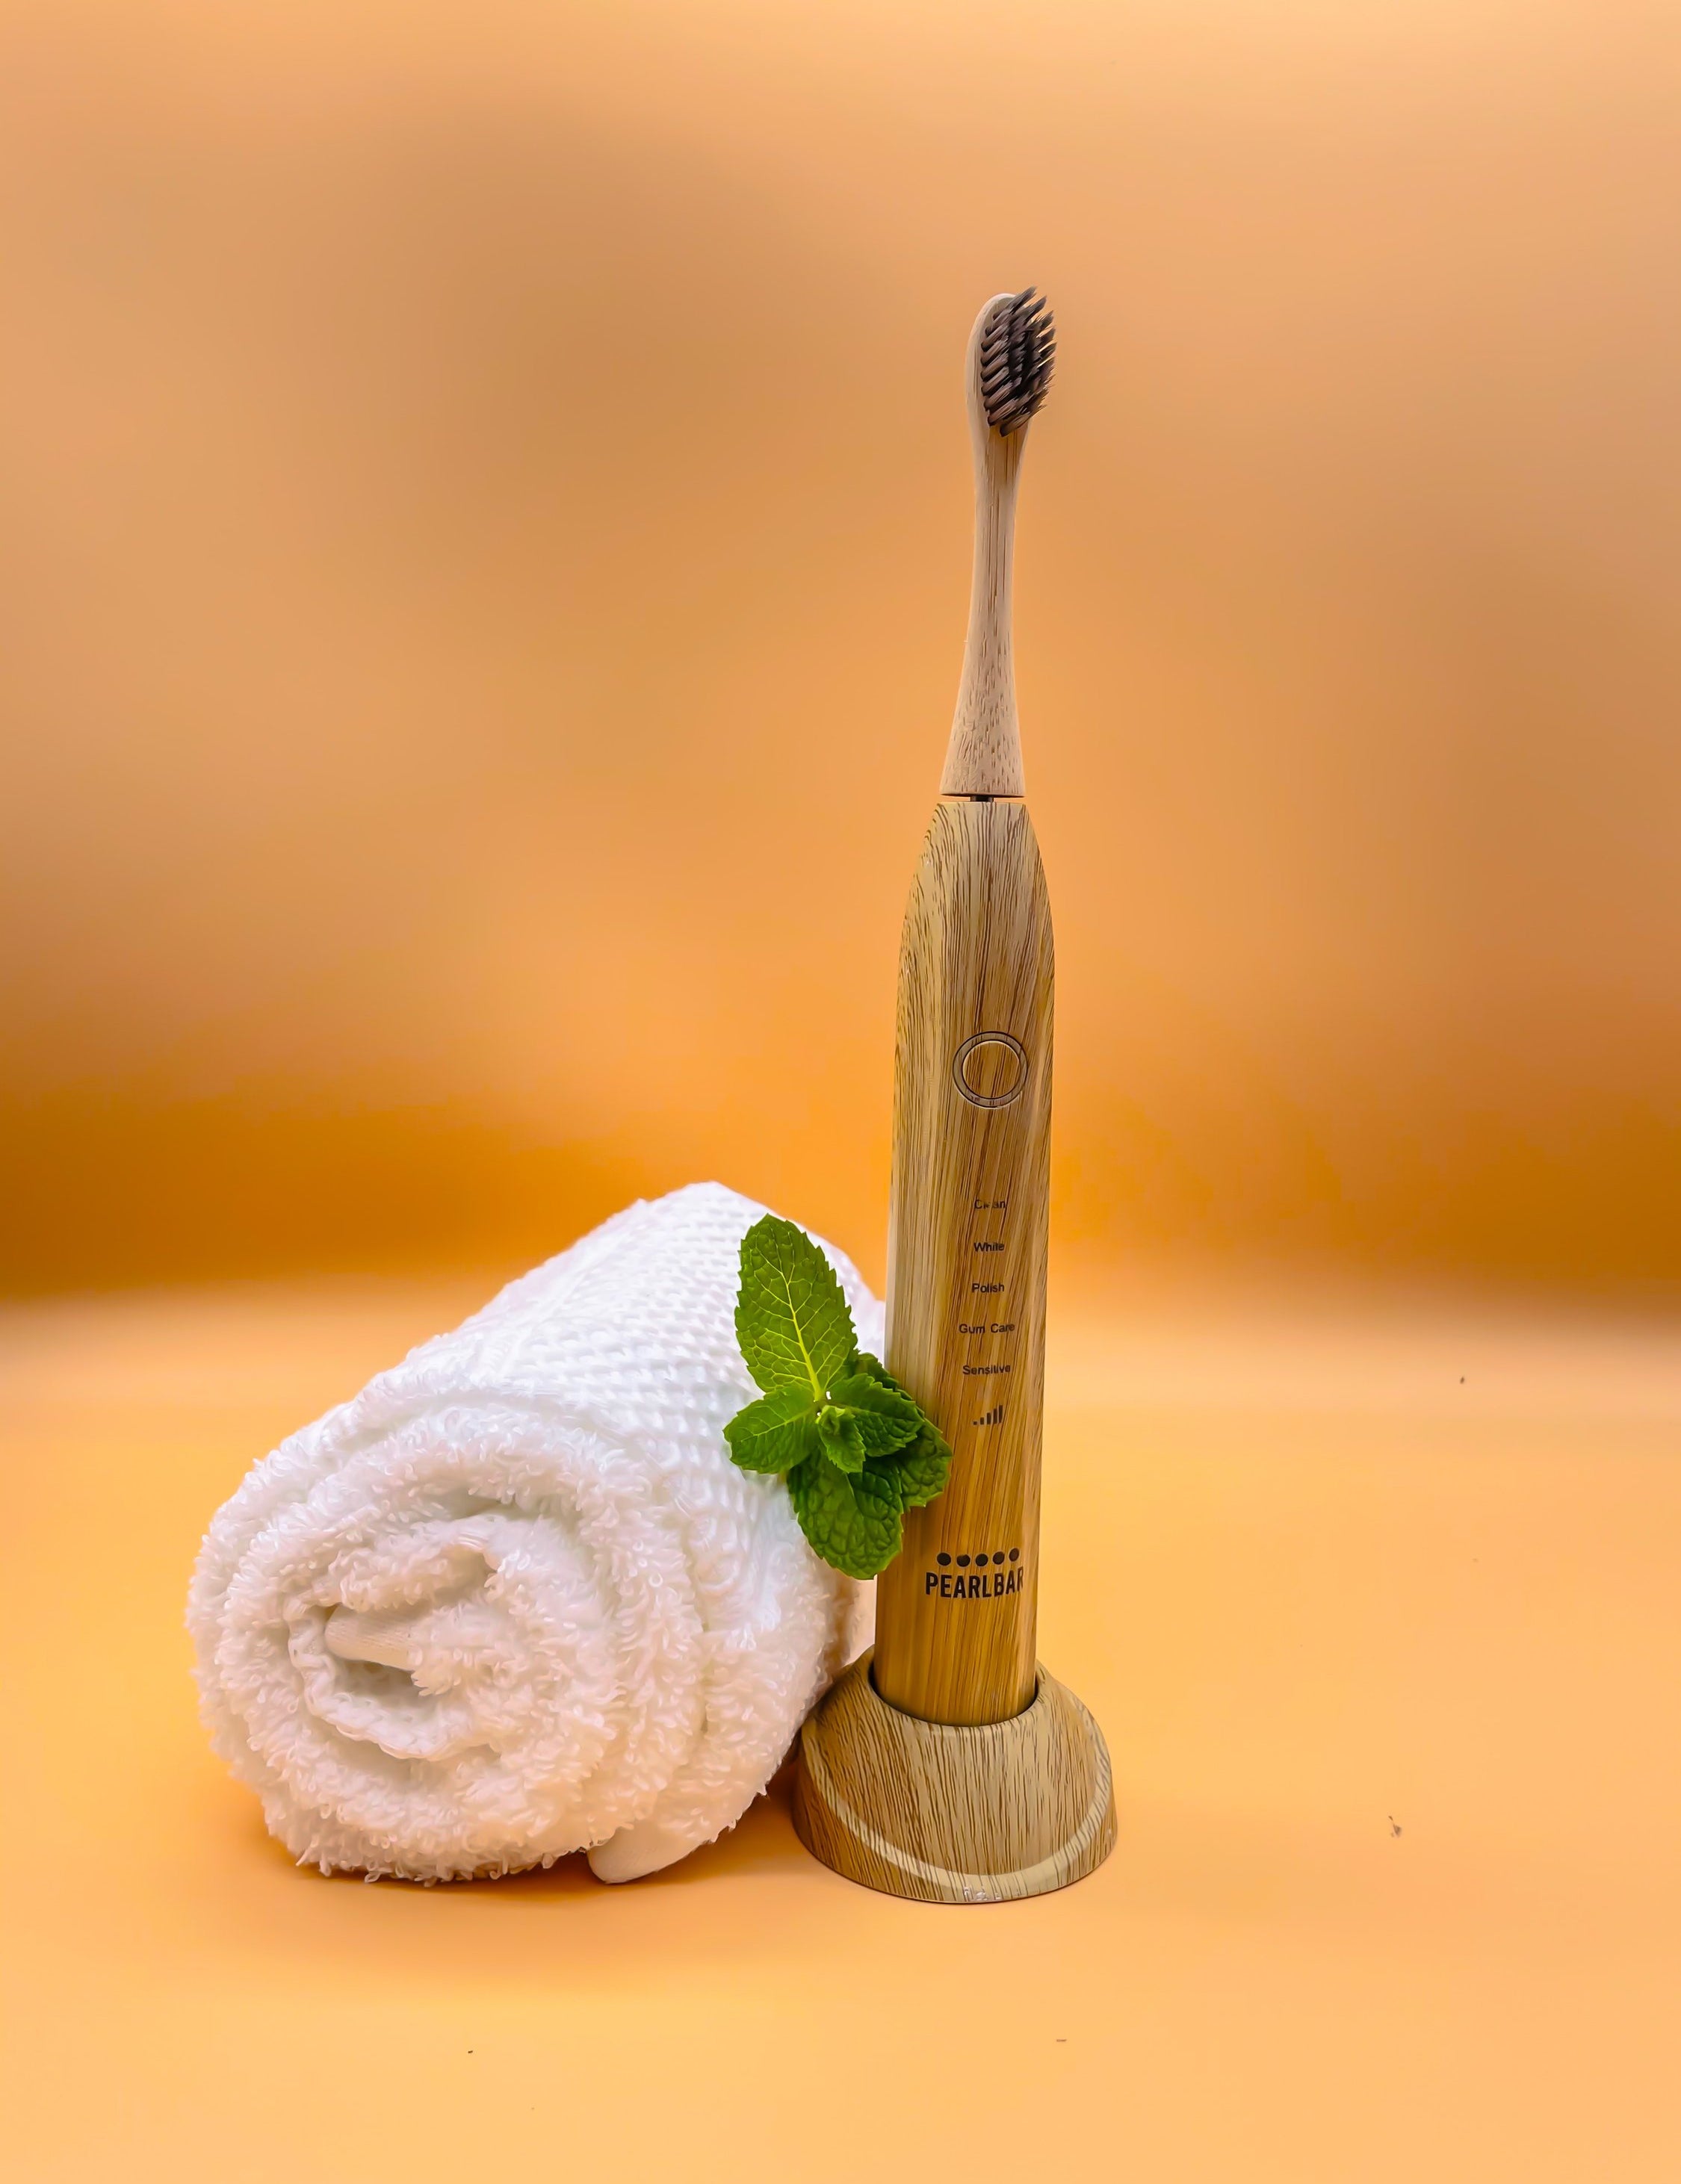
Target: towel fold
point(514, 1599)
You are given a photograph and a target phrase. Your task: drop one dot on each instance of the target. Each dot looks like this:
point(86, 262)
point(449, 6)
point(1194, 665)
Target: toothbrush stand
point(954, 1815)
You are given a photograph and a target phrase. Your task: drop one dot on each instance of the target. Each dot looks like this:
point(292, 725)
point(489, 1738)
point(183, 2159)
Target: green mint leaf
point(774, 1433)
point(873, 1369)
point(852, 1520)
point(926, 1463)
point(791, 1319)
point(855, 1446)
point(886, 1418)
point(839, 1438)
point(920, 1471)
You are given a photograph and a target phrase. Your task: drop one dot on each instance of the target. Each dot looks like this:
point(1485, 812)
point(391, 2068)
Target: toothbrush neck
point(983, 757)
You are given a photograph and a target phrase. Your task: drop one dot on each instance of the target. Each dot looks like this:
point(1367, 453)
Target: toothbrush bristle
point(1018, 351)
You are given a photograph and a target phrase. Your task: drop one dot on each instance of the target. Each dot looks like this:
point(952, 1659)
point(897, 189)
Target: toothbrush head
point(1018, 350)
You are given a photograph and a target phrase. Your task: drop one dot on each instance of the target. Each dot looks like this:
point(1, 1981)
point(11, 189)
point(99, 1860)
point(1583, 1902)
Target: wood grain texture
point(983, 757)
point(954, 1815)
point(956, 1611)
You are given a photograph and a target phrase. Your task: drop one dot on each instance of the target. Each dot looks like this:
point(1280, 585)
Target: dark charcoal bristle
point(1018, 351)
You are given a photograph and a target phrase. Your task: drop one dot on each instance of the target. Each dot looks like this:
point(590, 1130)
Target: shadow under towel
point(515, 1600)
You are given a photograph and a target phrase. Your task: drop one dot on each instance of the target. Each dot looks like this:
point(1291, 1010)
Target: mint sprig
point(856, 1449)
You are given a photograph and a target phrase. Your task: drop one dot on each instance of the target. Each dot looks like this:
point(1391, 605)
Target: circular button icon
point(991, 1069)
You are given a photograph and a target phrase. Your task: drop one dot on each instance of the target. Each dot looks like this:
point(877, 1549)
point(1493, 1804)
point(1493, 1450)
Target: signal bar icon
point(995, 1416)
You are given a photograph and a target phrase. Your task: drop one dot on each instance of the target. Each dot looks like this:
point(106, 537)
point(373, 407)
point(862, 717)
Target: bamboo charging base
point(979, 1814)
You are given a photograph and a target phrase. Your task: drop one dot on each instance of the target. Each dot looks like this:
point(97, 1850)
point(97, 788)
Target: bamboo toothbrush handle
point(956, 1612)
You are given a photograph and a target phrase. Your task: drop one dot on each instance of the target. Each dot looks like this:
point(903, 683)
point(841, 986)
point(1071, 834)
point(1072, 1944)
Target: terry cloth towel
point(515, 1600)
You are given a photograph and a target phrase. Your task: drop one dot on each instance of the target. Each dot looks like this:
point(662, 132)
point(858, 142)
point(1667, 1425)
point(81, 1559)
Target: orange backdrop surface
point(485, 548)
point(1377, 1608)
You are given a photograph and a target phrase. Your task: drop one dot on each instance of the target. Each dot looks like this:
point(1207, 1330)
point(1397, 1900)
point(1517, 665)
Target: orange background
point(485, 536)
point(483, 554)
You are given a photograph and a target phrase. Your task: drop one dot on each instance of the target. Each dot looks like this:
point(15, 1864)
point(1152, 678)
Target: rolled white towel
point(515, 1600)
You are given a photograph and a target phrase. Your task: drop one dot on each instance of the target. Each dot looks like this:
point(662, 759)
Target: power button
point(991, 1069)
